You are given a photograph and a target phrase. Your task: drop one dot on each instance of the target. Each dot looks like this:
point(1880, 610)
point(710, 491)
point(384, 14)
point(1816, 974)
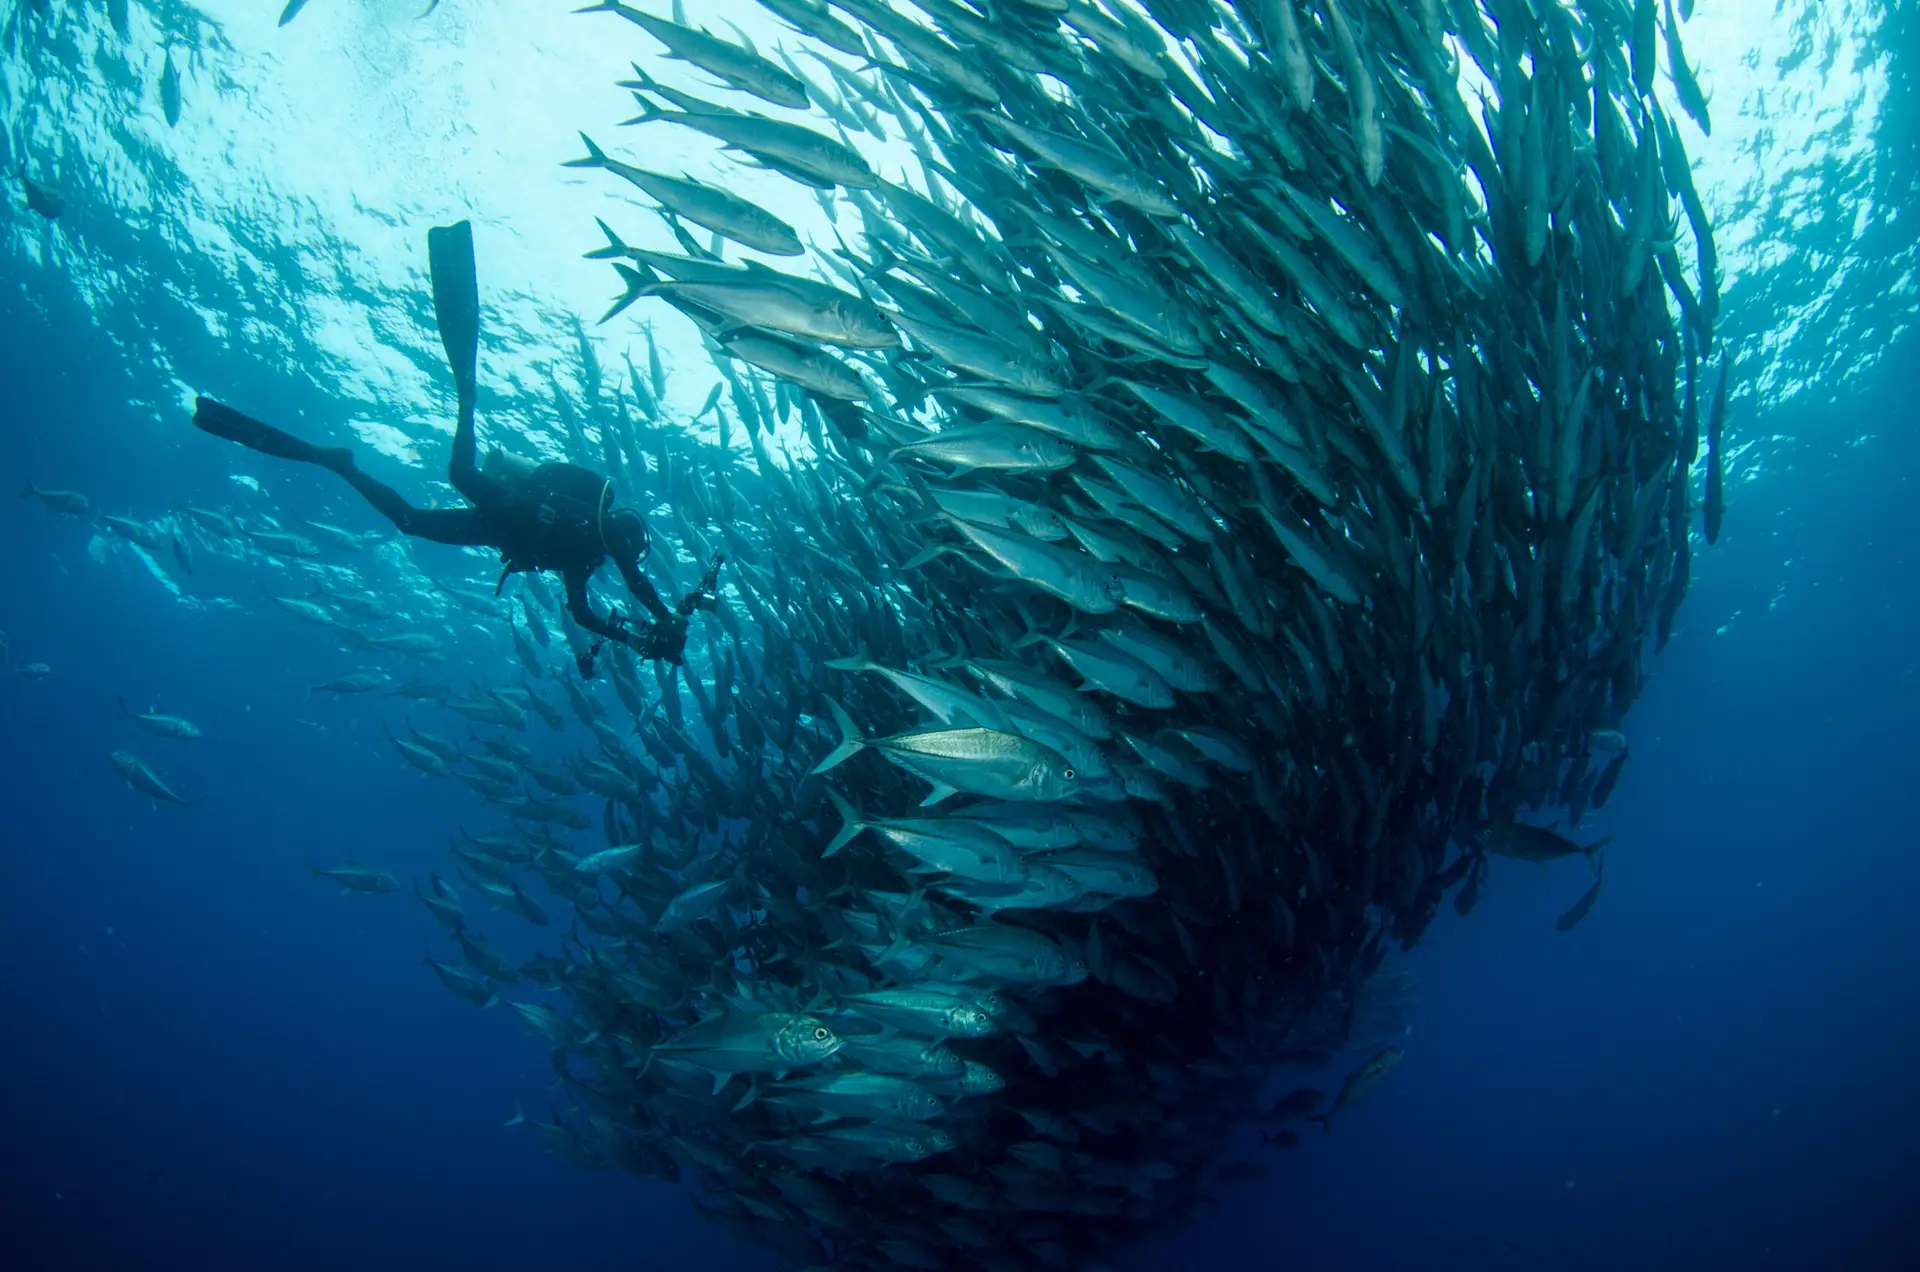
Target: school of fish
point(1248, 462)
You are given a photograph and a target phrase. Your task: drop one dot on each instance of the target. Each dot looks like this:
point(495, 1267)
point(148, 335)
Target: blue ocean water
point(213, 1059)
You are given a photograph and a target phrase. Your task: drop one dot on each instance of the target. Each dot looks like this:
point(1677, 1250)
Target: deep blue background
point(211, 1059)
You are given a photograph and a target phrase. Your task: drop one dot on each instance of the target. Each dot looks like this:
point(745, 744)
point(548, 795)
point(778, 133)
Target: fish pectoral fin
point(927, 554)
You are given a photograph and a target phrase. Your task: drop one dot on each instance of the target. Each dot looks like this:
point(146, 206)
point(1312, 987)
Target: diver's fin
point(456, 300)
point(222, 420)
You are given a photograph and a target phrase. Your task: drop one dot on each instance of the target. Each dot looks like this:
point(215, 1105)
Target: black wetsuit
point(558, 517)
point(552, 518)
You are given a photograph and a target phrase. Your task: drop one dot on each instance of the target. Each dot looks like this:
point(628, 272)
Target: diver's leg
point(464, 472)
point(222, 420)
point(464, 526)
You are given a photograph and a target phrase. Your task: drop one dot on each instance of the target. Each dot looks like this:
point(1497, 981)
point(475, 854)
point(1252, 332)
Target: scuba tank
point(505, 467)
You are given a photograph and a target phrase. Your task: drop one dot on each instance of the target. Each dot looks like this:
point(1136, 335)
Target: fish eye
point(1069, 774)
point(820, 1033)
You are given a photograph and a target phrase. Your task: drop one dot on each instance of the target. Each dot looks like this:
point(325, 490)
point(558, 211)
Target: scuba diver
point(552, 516)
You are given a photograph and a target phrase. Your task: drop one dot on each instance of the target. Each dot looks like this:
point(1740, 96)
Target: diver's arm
point(643, 590)
point(668, 637)
point(583, 612)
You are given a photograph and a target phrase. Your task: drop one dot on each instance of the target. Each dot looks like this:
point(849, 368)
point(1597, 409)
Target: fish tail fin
point(850, 823)
point(895, 943)
point(616, 247)
point(648, 112)
point(637, 285)
point(642, 83)
point(596, 157)
point(604, 6)
point(850, 740)
point(1325, 1120)
point(124, 709)
point(1596, 846)
point(881, 257)
point(519, 1116)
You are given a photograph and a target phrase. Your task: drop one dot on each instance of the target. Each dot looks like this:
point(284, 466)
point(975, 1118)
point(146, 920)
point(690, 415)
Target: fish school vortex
point(1251, 458)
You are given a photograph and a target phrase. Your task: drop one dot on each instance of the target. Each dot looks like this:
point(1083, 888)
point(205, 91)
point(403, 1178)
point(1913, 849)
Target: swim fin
point(456, 301)
point(222, 420)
